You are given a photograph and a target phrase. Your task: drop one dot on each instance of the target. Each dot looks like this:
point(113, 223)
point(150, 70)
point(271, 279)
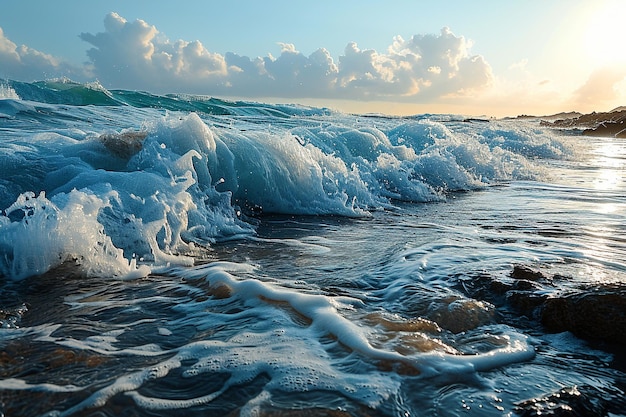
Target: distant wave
point(65, 91)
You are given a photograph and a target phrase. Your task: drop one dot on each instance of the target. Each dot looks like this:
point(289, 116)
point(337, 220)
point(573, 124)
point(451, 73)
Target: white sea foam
point(151, 209)
point(7, 92)
point(295, 356)
point(325, 319)
point(50, 234)
point(182, 181)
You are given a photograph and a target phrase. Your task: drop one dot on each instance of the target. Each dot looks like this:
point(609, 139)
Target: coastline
point(598, 124)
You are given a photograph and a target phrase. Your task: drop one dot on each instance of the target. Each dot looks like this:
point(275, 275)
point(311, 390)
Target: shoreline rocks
point(595, 313)
point(609, 124)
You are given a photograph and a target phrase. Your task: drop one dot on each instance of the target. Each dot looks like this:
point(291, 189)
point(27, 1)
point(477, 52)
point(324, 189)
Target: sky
point(483, 57)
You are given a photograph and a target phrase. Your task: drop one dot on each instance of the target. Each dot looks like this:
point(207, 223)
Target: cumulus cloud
point(135, 55)
point(24, 63)
point(601, 86)
point(132, 55)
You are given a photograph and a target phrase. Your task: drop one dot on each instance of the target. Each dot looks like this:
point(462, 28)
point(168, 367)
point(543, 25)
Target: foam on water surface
point(69, 232)
point(295, 342)
point(342, 291)
point(325, 319)
point(179, 180)
point(7, 92)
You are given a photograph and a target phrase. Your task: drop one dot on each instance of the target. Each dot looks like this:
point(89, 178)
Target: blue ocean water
point(185, 255)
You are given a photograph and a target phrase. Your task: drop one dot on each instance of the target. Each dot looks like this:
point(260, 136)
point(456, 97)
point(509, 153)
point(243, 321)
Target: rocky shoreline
point(602, 124)
point(595, 313)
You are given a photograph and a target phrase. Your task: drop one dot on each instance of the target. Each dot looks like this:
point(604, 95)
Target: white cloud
point(132, 55)
point(135, 55)
point(24, 63)
point(520, 65)
point(602, 87)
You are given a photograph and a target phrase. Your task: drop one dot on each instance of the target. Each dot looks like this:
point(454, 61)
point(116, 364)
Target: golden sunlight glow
point(605, 33)
point(610, 157)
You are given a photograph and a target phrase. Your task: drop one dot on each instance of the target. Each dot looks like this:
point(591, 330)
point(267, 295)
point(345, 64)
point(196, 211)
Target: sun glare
point(605, 33)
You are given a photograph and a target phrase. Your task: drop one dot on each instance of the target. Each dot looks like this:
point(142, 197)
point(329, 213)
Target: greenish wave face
point(64, 91)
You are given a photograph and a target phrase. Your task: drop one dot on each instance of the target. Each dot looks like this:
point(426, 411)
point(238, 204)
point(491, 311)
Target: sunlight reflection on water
point(607, 228)
point(609, 158)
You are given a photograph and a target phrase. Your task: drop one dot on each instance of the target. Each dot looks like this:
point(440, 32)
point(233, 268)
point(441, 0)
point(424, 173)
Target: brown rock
point(598, 314)
point(525, 273)
point(123, 145)
point(608, 129)
point(606, 124)
point(459, 315)
point(526, 302)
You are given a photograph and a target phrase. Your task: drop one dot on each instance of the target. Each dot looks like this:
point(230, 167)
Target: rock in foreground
point(595, 313)
point(598, 313)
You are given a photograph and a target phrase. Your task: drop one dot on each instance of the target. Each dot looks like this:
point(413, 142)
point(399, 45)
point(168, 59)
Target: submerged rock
point(595, 313)
point(563, 403)
point(459, 315)
point(525, 273)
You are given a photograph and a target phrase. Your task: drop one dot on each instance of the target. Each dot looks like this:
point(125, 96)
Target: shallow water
point(397, 271)
point(374, 307)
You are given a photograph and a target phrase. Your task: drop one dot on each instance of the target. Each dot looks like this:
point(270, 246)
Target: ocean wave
point(63, 91)
point(165, 175)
